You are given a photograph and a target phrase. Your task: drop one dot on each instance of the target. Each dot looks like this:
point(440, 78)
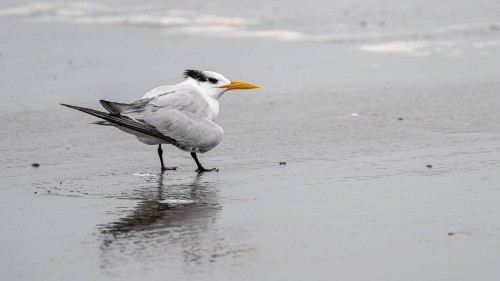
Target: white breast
point(214, 108)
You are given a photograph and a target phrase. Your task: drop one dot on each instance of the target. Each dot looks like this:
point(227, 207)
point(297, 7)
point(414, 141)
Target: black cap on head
point(196, 74)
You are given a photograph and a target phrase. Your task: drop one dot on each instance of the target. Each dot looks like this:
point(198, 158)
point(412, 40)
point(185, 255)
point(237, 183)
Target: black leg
point(160, 153)
point(200, 167)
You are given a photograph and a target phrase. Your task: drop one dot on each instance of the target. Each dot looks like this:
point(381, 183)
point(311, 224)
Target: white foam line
point(144, 175)
point(395, 47)
point(178, 21)
point(177, 201)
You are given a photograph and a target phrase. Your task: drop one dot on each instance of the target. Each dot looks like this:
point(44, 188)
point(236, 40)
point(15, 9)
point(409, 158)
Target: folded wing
point(180, 114)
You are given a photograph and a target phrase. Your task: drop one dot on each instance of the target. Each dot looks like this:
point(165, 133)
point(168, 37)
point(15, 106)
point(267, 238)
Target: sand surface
point(392, 160)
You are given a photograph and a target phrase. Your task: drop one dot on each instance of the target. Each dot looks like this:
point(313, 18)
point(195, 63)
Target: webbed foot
point(202, 170)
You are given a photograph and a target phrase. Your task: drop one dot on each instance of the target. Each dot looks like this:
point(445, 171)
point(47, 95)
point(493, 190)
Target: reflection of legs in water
point(194, 187)
point(161, 205)
point(178, 215)
point(160, 187)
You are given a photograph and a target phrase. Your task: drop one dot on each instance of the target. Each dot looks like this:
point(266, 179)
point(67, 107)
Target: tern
point(181, 115)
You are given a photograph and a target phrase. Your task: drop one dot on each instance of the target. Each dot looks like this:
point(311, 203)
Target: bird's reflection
point(166, 207)
point(174, 224)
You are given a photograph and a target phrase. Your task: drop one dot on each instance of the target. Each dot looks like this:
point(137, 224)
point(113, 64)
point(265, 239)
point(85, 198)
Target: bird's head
point(214, 84)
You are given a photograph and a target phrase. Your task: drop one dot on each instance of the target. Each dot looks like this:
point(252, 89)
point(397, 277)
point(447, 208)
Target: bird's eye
point(212, 80)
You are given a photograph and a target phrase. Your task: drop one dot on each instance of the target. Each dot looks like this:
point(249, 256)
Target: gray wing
point(181, 114)
point(124, 122)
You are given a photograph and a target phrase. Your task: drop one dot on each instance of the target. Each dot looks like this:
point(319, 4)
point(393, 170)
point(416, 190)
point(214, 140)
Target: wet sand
point(354, 201)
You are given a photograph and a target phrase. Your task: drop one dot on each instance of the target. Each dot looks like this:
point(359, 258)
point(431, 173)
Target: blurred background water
point(411, 27)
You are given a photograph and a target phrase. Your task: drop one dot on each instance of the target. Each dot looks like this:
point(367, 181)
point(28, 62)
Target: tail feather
point(125, 122)
point(114, 107)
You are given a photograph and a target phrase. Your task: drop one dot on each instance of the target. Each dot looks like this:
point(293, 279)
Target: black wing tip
point(86, 110)
point(69, 105)
point(124, 121)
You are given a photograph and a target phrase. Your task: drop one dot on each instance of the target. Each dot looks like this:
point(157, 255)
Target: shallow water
point(356, 129)
point(417, 28)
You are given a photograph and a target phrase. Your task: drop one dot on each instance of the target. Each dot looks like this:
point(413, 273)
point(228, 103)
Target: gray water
point(357, 121)
point(425, 27)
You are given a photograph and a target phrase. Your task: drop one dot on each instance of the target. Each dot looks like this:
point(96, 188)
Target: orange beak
point(235, 85)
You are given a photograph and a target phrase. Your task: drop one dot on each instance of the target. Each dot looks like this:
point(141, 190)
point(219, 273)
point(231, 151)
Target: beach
point(369, 155)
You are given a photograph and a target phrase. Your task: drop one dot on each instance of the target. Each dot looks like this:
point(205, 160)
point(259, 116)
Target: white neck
point(211, 95)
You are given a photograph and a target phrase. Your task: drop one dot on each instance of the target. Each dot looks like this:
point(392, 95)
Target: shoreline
point(355, 129)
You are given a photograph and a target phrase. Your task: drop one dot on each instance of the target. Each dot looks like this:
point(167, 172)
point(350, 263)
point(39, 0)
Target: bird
point(182, 115)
